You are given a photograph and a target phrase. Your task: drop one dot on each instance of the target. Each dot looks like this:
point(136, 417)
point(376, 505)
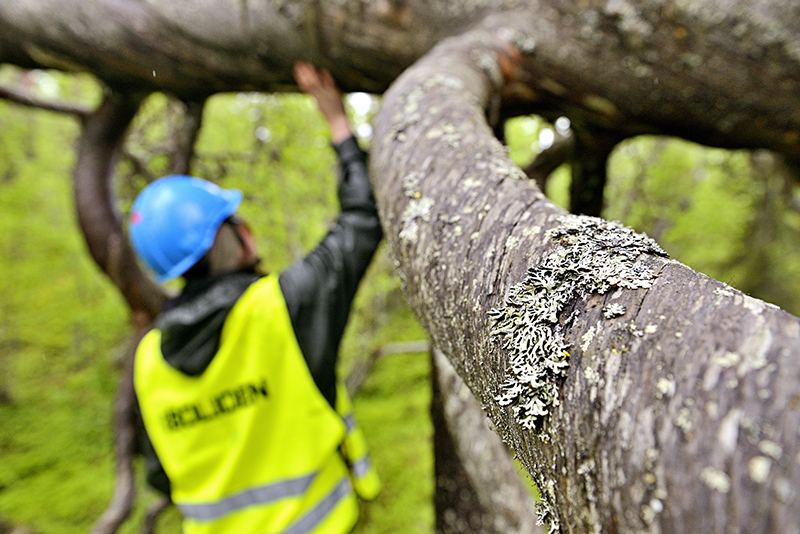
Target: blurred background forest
point(733, 215)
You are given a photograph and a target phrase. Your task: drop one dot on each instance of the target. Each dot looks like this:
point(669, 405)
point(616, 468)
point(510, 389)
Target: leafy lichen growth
point(545, 516)
point(417, 209)
point(590, 256)
point(614, 310)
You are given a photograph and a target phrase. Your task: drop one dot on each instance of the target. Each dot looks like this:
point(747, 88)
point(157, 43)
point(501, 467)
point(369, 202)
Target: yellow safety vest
point(251, 445)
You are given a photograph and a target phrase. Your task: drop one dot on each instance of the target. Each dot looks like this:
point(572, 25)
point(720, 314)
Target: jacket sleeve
point(319, 289)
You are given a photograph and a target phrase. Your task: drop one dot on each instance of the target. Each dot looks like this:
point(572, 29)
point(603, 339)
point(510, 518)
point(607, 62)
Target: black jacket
point(318, 290)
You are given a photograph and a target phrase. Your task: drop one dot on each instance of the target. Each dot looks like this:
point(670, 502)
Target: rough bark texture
point(723, 73)
point(201, 49)
point(641, 396)
point(680, 408)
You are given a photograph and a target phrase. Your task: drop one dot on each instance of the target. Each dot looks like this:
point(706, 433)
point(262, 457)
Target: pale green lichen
point(665, 387)
point(545, 516)
point(411, 183)
point(683, 420)
point(614, 310)
point(716, 479)
point(586, 339)
point(759, 467)
point(415, 210)
point(729, 359)
point(590, 256)
point(770, 448)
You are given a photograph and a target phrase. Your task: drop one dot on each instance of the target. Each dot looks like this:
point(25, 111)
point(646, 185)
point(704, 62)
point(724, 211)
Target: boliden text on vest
point(223, 403)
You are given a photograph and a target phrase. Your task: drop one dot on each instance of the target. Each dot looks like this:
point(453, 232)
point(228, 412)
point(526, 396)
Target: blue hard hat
point(174, 221)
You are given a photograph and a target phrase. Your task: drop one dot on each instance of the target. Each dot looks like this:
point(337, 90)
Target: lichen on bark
point(589, 256)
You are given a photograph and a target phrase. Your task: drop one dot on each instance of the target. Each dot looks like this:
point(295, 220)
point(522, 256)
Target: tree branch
point(156, 510)
point(360, 371)
point(99, 144)
point(101, 137)
point(550, 159)
point(478, 489)
point(589, 161)
point(186, 136)
point(640, 395)
point(630, 66)
point(125, 447)
point(18, 97)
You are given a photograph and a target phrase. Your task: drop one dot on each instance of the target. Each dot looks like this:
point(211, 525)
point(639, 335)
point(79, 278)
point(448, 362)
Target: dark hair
point(203, 267)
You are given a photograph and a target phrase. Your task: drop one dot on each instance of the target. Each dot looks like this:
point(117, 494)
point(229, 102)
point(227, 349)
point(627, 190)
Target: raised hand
point(321, 85)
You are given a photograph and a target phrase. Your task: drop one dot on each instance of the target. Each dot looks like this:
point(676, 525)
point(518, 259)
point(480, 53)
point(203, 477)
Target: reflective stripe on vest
point(354, 450)
point(250, 446)
point(315, 516)
point(250, 497)
point(255, 496)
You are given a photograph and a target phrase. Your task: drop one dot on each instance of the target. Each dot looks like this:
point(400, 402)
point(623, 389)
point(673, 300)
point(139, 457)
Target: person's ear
point(248, 253)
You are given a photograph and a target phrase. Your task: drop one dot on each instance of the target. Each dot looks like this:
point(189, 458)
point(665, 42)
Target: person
point(246, 427)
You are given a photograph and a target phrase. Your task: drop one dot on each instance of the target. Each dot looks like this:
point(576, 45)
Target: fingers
point(310, 79)
point(321, 85)
point(306, 76)
point(327, 80)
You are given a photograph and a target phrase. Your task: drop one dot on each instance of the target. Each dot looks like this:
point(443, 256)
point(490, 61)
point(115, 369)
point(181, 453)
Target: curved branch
point(102, 133)
point(149, 526)
point(646, 400)
point(589, 161)
point(721, 73)
point(125, 447)
point(550, 159)
point(361, 369)
point(478, 488)
point(98, 147)
point(12, 95)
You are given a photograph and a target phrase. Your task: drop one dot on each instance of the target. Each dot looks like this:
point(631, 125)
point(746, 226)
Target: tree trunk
point(640, 395)
point(478, 488)
point(721, 73)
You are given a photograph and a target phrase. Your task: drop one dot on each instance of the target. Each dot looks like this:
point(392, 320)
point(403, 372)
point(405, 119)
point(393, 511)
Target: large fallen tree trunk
point(721, 73)
point(640, 395)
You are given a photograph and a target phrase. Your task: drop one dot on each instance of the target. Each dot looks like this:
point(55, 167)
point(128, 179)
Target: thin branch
point(186, 136)
point(125, 440)
point(12, 95)
point(362, 368)
point(138, 164)
point(550, 159)
point(98, 148)
point(153, 513)
point(478, 488)
point(102, 134)
point(589, 161)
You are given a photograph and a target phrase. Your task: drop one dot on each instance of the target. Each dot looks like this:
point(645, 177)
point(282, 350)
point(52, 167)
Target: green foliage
point(60, 323)
point(63, 326)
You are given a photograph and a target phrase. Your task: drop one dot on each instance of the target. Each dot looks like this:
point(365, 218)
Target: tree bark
point(478, 489)
point(102, 133)
point(641, 396)
point(720, 73)
point(680, 406)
